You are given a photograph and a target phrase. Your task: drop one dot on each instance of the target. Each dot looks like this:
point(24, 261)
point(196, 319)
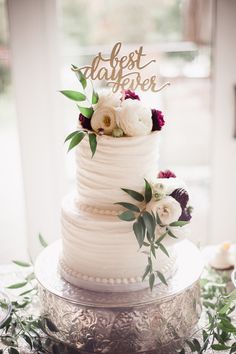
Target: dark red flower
point(166, 174)
point(131, 94)
point(85, 122)
point(157, 120)
point(182, 197)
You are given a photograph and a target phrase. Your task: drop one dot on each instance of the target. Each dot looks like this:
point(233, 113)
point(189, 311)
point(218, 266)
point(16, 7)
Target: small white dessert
point(221, 259)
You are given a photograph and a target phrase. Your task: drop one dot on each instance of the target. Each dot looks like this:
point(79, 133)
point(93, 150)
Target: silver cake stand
point(134, 322)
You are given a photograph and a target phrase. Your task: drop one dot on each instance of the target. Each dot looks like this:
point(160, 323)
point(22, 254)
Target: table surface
point(10, 274)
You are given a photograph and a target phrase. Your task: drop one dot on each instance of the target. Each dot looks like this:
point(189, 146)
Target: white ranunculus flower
point(134, 118)
point(168, 209)
point(104, 118)
point(108, 99)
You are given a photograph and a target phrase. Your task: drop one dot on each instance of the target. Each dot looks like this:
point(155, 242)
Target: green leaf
point(148, 191)
point(30, 276)
point(6, 322)
point(149, 223)
point(129, 206)
point(232, 296)
point(42, 241)
point(227, 326)
point(86, 111)
point(80, 76)
point(219, 347)
point(93, 143)
point(151, 280)
point(95, 97)
point(153, 250)
point(179, 223)
point(70, 136)
point(161, 277)
point(147, 270)
point(17, 285)
point(170, 233)
point(164, 250)
point(196, 344)
point(233, 348)
point(191, 345)
point(51, 326)
point(22, 264)
point(26, 292)
point(161, 238)
point(209, 304)
point(13, 351)
point(74, 95)
point(135, 195)
point(27, 339)
point(139, 232)
point(158, 220)
point(127, 216)
point(76, 140)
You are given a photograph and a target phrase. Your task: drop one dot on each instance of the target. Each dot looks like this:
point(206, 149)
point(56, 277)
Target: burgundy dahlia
point(157, 120)
point(85, 122)
point(166, 174)
point(131, 94)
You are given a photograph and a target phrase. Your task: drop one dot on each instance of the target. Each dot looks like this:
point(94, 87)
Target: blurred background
point(194, 44)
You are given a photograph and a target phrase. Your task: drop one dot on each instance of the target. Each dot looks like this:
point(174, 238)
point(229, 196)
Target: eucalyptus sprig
point(77, 136)
point(219, 333)
point(144, 227)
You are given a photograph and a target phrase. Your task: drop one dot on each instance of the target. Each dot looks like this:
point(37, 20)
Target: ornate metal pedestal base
point(140, 321)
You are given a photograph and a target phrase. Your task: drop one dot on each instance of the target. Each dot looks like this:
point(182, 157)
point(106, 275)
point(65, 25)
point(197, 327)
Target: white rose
point(104, 118)
point(134, 118)
point(168, 209)
point(108, 99)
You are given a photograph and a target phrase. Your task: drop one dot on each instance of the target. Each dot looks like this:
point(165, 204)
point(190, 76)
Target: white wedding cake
point(121, 226)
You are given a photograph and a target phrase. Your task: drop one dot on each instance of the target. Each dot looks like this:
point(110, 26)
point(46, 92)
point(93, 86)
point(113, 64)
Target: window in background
point(12, 218)
point(178, 34)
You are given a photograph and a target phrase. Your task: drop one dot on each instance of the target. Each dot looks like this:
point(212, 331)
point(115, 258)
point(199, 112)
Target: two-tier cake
point(121, 226)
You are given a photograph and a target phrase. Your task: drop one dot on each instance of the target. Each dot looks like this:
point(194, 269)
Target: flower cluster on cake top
point(163, 210)
point(115, 114)
point(122, 114)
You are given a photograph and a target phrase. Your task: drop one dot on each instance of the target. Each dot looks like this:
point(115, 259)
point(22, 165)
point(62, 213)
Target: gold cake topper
point(122, 73)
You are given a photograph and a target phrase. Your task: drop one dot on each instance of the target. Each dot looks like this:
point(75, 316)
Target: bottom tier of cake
point(133, 322)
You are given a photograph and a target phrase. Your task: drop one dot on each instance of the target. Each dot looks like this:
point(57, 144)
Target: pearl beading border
point(93, 210)
point(100, 280)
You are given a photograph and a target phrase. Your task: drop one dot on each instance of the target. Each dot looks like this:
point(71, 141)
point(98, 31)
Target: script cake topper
point(122, 72)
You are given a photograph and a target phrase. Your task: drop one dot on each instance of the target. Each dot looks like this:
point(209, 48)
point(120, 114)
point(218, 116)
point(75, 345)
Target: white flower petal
point(104, 118)
point(134, 118)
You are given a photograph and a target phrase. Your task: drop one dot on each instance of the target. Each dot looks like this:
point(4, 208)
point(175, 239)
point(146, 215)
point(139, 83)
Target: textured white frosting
point(98, 247)
point(103, 249)
point(118, 163)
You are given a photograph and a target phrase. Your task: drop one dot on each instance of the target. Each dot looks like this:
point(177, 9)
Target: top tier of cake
point(118, 163)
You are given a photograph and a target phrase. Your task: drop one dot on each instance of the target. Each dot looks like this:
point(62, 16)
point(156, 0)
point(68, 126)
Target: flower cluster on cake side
point(116, 114)
point(160, 211)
